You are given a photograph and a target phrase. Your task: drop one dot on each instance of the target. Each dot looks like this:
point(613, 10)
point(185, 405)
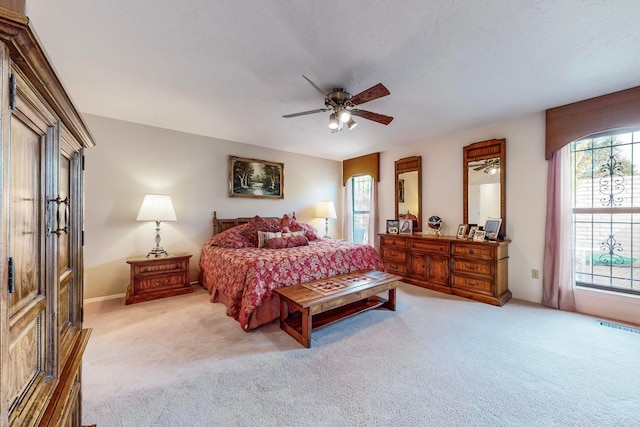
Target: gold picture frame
point(259, 179)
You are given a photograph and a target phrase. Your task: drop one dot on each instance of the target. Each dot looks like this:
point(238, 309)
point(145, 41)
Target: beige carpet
point(438, 360)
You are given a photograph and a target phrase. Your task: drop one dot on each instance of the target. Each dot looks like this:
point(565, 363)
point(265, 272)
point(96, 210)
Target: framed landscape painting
point(259, 179)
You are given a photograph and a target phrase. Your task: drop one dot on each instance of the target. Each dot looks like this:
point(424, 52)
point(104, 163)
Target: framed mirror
point(484, 179)
point(409, 190)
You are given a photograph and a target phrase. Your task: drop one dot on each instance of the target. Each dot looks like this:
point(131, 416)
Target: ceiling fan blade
point(380, 118)
point(374, 92)
point(315, 86)
point(479, 168)
point(304, 113)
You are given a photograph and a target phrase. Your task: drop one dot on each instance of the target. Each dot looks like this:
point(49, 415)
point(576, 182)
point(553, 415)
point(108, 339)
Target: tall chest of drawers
point(476, 270)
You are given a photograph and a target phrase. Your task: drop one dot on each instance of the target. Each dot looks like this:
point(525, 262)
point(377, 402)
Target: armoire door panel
point(26, 354)
point(25, 215)
point(31, 352)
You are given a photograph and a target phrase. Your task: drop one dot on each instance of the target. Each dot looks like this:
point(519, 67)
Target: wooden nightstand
point(153, 278)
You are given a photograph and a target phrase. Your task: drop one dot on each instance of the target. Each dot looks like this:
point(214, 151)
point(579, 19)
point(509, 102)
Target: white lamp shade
point(156, 207)
point(326, 209)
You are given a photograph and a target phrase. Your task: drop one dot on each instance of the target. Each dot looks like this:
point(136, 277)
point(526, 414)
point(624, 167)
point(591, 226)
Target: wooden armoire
point(42, 138)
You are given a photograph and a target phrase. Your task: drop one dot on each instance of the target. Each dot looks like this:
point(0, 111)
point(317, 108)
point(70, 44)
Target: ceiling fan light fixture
point(333, 121)
point(345, 115)
point(351, 123)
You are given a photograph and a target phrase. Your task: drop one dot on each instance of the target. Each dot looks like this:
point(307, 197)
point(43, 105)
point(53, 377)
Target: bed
point(246, 259)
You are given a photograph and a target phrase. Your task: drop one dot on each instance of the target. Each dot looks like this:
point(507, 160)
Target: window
point(606, 211)
point(361, 202)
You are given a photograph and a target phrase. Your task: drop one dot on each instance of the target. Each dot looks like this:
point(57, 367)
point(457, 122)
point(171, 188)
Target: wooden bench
point(322, 302)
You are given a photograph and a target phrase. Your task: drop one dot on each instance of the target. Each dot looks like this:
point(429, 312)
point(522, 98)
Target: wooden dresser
point(476, 270)
point(41, 254)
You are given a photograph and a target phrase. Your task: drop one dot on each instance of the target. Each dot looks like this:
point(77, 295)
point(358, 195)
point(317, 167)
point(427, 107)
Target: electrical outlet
point(535, 274)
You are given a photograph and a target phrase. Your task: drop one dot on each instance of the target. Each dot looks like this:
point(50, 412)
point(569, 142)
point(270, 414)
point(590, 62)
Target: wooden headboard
point(220, 225)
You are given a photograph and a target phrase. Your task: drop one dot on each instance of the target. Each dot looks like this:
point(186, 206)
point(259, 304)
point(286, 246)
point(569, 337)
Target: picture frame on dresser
point(393, 226)
point(462, 231)
point(472, 231)
point(479, 236)
point(406, 226)
point(492, 227)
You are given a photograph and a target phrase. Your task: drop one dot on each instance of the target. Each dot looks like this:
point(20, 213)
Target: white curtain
point(373, 214)
point(558, 278)
point(347, 224)
point(347, 227)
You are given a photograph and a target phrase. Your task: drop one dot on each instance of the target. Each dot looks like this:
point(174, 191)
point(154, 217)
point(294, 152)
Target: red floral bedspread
point(247, 277)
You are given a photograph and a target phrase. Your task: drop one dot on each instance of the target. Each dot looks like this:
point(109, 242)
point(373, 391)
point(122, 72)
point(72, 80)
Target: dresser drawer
point(394, 241)
point(462, 266)
point(472, 283)
point(393, 255)
point(429, 246)
point(481, 251)
point(394, 267)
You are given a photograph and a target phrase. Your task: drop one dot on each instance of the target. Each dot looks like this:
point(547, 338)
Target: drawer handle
point(442, 248)
point(161, 282)
point(471, 251)
point(470, 283)
point(472, 267)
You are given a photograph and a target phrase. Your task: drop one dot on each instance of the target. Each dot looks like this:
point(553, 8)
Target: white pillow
point(293, 233)
point(263, 236)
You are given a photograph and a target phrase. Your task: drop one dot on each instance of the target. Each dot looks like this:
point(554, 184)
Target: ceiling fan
point(489, 166)
point(342, 106)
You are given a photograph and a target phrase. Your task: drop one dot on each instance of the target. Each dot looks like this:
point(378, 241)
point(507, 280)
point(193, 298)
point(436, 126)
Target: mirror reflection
point(483, 189)
point(484, 182)
point(409, 190)
point(408, 193)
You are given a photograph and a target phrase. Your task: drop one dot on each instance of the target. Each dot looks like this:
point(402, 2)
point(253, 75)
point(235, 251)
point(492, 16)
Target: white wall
point(526, 173)
point(131, 160)
point(526, 189)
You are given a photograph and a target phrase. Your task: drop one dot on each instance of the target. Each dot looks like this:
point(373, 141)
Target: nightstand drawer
point(160, 268)
point(164, 281)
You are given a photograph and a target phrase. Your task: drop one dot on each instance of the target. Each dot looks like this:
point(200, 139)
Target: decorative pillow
point(309, 231)
point(231, 238)
point(251, 229)
point(286, 242)
point(288, 224)
point(293, 233)
point(264, 236)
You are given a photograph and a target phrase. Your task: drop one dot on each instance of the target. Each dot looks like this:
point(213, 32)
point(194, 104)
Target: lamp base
point(157, 252)
point(326, 228)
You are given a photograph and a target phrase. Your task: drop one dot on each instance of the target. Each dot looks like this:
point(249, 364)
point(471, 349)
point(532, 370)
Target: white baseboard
point(108, 297)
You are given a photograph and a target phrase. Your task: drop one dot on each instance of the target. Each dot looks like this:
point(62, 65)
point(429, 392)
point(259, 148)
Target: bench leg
point(391, 303)
point(284, 311)
point(307, 324)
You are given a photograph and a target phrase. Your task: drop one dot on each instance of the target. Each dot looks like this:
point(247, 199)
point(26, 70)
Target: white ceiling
point(230, 69)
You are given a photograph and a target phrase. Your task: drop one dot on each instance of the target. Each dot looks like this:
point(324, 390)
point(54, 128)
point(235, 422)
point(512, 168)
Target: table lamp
point(156, 207)
point(326, 210)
